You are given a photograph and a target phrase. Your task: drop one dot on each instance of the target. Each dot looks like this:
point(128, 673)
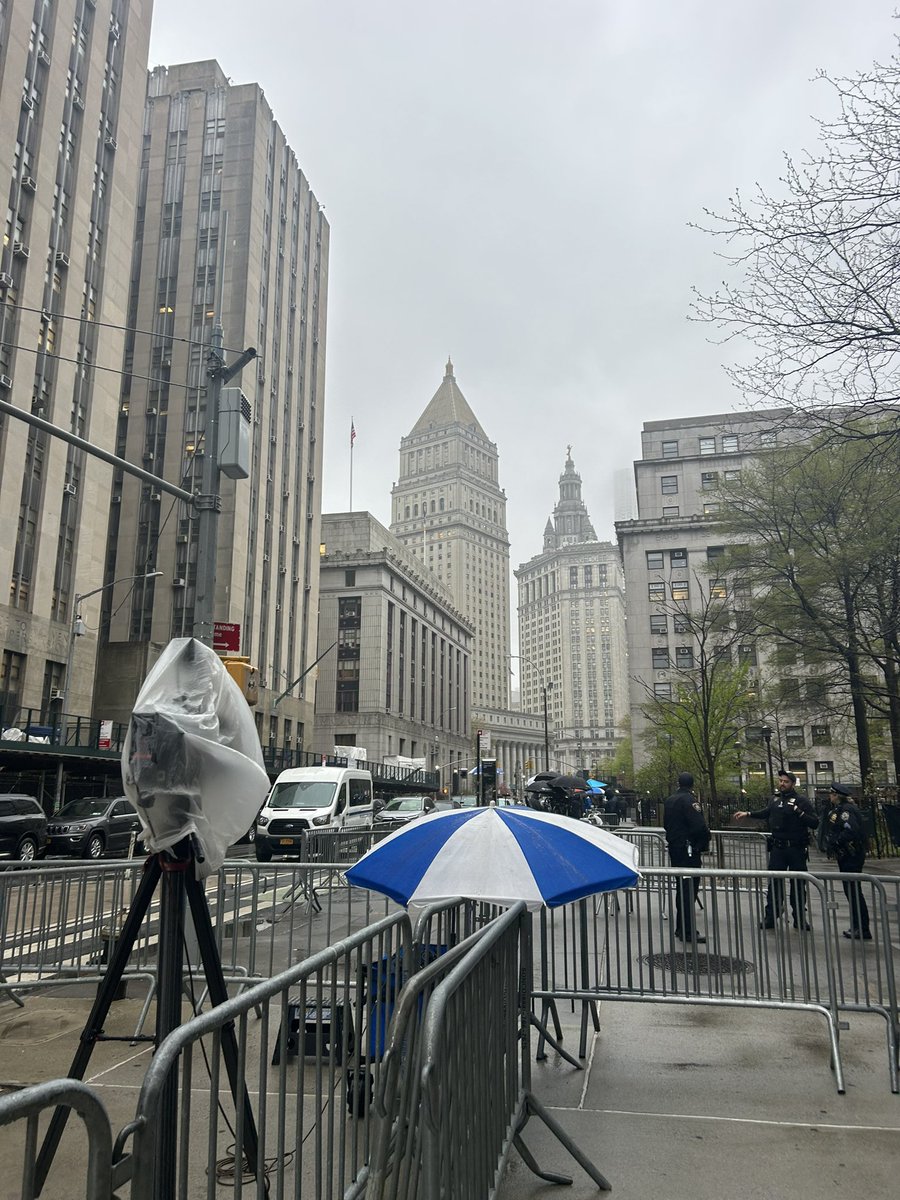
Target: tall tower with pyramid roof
point(449, 510)
point(572, 633)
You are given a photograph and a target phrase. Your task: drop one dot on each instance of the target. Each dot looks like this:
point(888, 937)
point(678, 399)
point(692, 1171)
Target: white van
point(312, 798)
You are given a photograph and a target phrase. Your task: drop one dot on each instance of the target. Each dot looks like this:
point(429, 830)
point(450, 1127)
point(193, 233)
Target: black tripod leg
point(106, 993)
point(218, 994)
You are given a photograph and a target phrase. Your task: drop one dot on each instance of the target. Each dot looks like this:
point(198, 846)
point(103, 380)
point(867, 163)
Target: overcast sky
point(510, 183)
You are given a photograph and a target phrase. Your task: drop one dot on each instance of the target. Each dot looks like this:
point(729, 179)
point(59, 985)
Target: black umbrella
point(568, 783)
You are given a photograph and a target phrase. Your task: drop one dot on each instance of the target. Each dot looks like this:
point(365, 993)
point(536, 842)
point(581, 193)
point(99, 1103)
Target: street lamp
point(78, 627)
point(738, 746)
point(767, 738)
point(544, 689)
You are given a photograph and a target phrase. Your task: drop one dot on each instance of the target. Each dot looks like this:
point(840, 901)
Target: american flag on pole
point(352, 433)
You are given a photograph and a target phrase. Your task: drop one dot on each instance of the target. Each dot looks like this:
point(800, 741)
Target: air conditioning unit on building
point(29, 184)
point(28, 103)
point(5, 382)
point(43, 58)
point(77, 102)
point(69, 489)
point(151, 411)
point(62, 260)
point(115, 500)
point(6, 280)
point(20, 250)
point(110, 143)
point(57, 694)
point(178, 582)
point(155, 496)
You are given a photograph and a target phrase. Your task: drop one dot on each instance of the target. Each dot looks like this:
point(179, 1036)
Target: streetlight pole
point(77, 624)
point(544, 688)
point(738, 747)
point(76, 628)
point(767, 738)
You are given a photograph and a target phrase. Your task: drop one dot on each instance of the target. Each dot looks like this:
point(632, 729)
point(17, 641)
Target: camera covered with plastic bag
point(192, 764)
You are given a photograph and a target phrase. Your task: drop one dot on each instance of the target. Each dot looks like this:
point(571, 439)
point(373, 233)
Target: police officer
point(687, 835)
point(790, 817)
point(845, 840)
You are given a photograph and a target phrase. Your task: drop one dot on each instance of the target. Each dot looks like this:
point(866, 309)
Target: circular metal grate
point(698, 962)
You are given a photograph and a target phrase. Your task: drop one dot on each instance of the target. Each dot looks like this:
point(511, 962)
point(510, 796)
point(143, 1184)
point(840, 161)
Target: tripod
point(174, 872)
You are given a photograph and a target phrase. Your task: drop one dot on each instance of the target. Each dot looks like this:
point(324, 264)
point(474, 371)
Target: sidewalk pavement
point(690, 1102)
point(695, 1103)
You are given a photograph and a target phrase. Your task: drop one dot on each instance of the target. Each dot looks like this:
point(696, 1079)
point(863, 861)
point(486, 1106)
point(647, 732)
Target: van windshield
point(302, 793)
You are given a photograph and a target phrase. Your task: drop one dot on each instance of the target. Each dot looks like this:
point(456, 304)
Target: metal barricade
point(738, 850)
point(455, 1090)
point(309, 1044)
point(603, 949)
point(29, 1104)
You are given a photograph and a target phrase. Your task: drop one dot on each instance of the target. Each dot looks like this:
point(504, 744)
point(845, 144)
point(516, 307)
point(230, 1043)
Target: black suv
point(23, 827)
point(93, 826)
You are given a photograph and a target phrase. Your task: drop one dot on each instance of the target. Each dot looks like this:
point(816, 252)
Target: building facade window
point(707, 445)
point(668, 485)
point(656, 592)
point(709, 480)
point(659, 658)
point(680, 589)
point(662, 691)
point(655, 560)
point(670, 449)
point(678, 559)
point(793, 736)
point(658, 623)
point(729, 443)
point(684, 658)
point(821, 735)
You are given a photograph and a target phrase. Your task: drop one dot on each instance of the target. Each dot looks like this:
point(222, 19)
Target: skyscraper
point(227, 229)
point(450, 511)
point(572, 633)
point(72, 81)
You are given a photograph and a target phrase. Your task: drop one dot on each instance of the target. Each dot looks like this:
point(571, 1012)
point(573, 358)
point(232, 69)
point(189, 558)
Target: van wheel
point(263, 853)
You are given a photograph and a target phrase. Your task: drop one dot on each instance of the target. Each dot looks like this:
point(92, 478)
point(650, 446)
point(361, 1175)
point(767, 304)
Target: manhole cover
point(698, 962)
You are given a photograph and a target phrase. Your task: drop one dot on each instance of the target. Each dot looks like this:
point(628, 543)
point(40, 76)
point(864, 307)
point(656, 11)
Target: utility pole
point(209, 502)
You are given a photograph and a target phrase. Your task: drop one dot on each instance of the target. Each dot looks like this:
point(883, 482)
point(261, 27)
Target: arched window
point(406, 513)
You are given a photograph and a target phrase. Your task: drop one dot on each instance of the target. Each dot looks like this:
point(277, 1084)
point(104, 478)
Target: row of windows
point(705, 445)
point(728, 443)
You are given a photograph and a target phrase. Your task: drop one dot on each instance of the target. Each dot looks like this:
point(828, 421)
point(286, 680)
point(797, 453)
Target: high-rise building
point(395, 670)
point(227, 231)
point(572, 634)
point(72, 82)
point(670, 553)
point(450, 511)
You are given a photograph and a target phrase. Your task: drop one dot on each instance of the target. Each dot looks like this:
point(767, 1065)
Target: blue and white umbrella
point(595, 785)
point(497, 855)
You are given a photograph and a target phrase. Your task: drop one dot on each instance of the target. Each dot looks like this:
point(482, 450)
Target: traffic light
point(244, 675)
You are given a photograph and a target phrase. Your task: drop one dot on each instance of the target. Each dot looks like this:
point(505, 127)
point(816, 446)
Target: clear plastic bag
point(192, 763)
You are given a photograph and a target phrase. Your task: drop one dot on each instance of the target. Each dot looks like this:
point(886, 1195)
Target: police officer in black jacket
point(845, 839)
point(687, 835)
point(790, 817)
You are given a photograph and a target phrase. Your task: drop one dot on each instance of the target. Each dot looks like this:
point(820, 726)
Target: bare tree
point(818, 271)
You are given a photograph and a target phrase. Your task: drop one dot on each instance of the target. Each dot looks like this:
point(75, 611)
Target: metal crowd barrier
point(604, 948)
point(312, 1059)
point(729, 849)
point(58, 922)
point(455, 1090)
point(28, 1105)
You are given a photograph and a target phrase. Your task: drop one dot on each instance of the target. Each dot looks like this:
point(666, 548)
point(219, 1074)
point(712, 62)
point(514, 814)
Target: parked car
point(23, 827)
point(94, 826)
point(404, 809)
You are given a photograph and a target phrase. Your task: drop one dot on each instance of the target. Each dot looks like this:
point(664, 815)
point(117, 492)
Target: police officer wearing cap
point(687, 835)
point(845, 840)
point(790, 817)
